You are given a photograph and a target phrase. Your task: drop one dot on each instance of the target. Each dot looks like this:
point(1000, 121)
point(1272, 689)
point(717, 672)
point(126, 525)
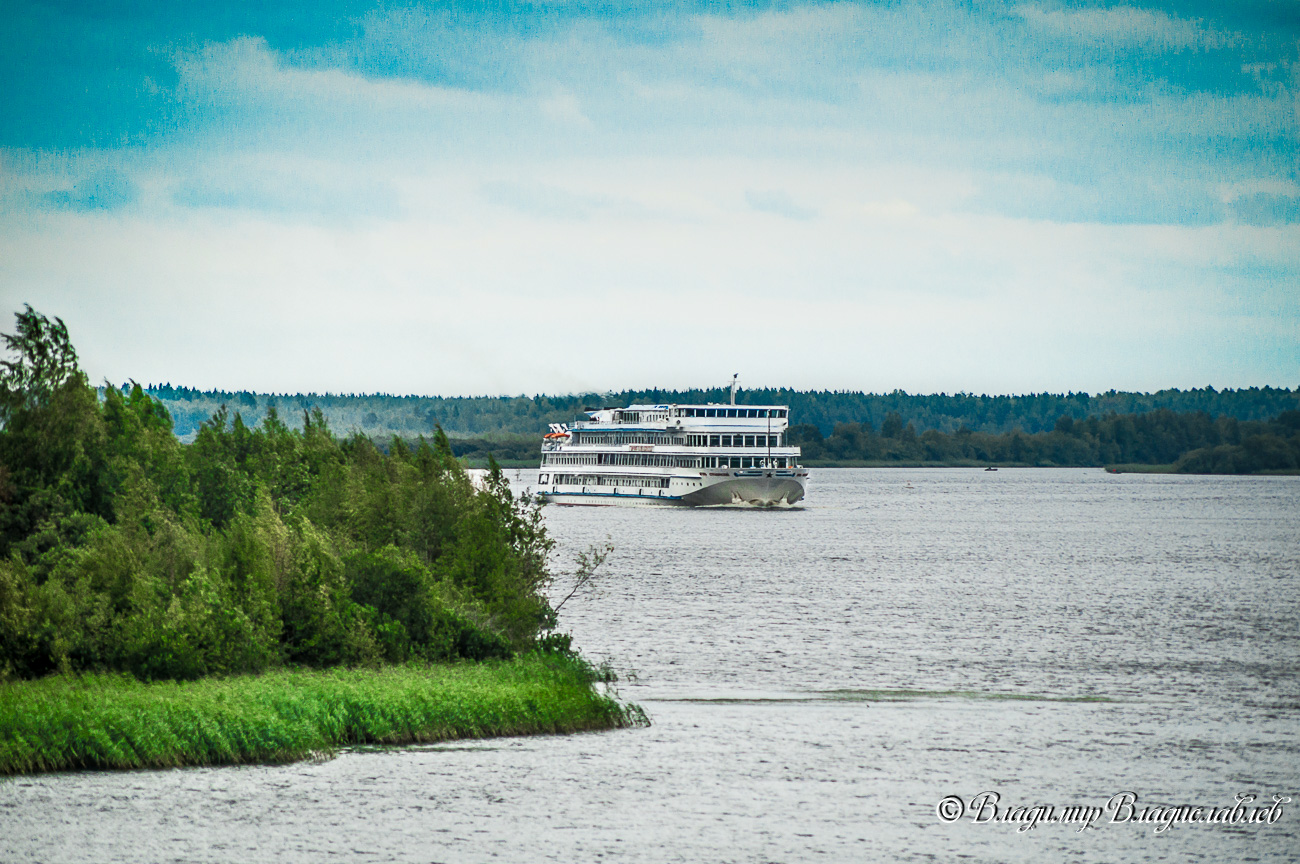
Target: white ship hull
point(755, 488)
point(770, 489)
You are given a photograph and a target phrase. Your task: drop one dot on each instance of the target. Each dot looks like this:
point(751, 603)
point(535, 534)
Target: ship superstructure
point(688, 455)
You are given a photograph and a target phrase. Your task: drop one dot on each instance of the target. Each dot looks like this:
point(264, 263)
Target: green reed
point(114, 721)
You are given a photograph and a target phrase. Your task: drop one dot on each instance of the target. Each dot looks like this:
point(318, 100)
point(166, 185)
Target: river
point(818, 680)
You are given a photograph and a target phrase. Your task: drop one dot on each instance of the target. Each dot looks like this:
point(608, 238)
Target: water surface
point(818, 679)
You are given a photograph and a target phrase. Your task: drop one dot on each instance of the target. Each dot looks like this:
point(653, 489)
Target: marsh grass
point(107, 721)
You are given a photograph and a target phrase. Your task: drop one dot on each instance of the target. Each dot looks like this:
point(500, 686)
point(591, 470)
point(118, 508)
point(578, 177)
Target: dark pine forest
point(1200, 430)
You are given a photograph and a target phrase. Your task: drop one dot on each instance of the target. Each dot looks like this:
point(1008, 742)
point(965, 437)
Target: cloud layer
point(430, 199)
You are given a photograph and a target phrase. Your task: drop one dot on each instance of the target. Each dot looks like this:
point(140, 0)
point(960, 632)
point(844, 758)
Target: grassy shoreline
point(106, 721)
point(513, 464)
point(909, 463)
point(1140, 469)
point(1171, 469)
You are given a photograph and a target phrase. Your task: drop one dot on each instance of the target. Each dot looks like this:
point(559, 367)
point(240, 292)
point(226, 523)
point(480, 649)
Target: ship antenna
point(735, 382)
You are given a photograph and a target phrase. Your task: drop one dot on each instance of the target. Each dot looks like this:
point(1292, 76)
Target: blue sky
point(549, 197)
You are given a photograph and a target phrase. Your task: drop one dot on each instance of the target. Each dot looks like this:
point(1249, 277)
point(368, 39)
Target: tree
point(52, 436)
point(46, 361)
point(893, 425)
point(258, 544)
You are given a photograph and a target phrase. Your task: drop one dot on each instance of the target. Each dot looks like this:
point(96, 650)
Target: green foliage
point(507, 426)
point(252, 547)
point(1191, 442)
point(113, 721)
point(1250, 448)
point(45, 362)
point(914, 428)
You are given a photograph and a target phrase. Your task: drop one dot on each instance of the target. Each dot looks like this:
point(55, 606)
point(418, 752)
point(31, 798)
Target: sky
point(557, 197)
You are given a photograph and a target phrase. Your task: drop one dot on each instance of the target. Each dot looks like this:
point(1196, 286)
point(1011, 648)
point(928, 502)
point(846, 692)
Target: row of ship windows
point(733, 440)
point(625, 438)
point(643, 460)
point(733, 412)
point(616, 438)
point(606, 480)
point(747, 462)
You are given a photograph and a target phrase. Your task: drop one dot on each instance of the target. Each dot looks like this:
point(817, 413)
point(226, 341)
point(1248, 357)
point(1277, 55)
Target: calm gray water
point(818, 679)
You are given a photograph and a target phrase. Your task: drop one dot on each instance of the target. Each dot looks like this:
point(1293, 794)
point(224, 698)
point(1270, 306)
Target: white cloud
point(565, 108)
point(1124, 26)
point(583, 210)
point(490, 300)
point(779, 202)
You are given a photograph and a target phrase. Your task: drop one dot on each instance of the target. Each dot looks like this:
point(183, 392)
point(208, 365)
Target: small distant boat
point(990, 469)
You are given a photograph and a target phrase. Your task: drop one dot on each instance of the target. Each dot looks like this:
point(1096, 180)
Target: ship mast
point(735, 382)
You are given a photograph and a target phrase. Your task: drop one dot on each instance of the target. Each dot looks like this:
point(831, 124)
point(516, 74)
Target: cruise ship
point(684, 455)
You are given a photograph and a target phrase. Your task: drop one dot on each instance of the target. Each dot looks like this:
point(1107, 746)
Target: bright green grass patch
point(114, 721)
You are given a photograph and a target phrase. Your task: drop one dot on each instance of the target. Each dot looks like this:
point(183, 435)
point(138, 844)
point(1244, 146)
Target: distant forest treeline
point(1188, 442)
point(504, 417)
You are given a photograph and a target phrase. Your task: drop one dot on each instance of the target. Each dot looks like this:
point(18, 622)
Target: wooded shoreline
point(262, 593)
point(1160, 441)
